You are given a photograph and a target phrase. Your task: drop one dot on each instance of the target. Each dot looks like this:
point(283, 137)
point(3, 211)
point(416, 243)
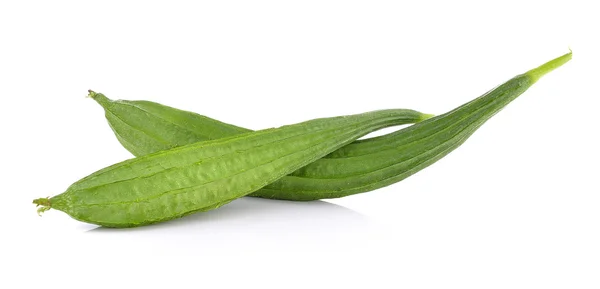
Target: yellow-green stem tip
point(426, 116)
point(541, 70)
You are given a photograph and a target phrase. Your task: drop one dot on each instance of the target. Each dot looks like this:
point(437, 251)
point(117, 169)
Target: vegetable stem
point(541, 70)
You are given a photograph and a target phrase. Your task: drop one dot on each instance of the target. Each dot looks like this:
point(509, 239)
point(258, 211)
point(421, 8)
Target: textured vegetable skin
point(364, 165)
point(173, 183)
point(145, 127)
point(391, 158)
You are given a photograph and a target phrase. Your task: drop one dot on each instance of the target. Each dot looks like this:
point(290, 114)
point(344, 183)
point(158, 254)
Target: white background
point(517, 206)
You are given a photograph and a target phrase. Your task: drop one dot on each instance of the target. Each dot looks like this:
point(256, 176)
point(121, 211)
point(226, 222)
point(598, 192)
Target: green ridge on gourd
point(363, 165)
point(172, 183)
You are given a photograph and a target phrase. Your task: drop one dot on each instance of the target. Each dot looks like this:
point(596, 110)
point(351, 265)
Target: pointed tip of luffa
point(426, 116)
point(98, 97)
point(555, 63)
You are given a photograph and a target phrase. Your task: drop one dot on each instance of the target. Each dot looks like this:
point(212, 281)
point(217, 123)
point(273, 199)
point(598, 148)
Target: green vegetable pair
point(188, 163)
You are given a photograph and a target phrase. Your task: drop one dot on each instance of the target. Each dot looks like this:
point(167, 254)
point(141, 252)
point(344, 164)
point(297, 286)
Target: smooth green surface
point(172, 183)
point(359, 167)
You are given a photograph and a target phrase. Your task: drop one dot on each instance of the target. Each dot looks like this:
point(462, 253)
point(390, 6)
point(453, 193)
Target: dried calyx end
point(44, 203)
point(91, 93)
point(99, 97)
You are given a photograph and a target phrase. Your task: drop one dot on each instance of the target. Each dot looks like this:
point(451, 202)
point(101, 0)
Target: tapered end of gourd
point(44, 203)
point(425, 116)
point(99, 98)
point(540, 71)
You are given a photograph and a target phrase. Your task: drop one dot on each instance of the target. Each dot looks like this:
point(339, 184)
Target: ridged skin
point(408, 151)
point(374, 163)
point(172, 183)
point(144, 127)
point(370, 164)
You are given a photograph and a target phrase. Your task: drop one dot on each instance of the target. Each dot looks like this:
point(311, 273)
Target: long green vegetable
point(145, 127)
point(202, 176)
point(205, 175)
